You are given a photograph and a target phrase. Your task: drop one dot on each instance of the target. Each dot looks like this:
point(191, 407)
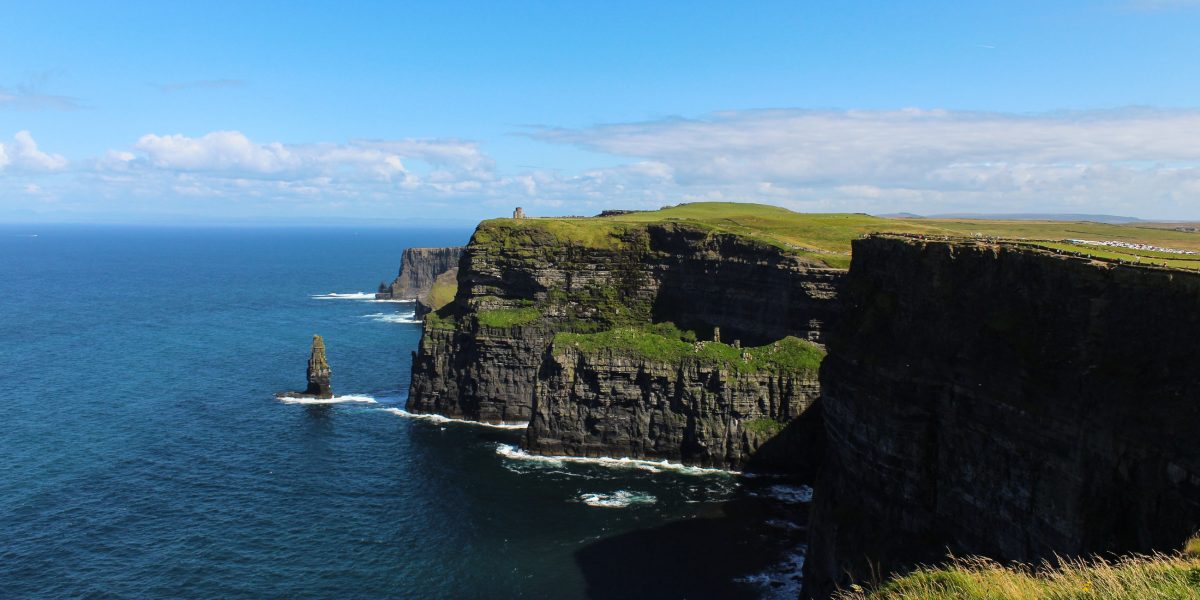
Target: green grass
point(443, 290)
point(503, 318)
point(764, 425)
point(439, 320)
point(818, 237)
point(1159, 576)
point(1143, 257)
point(792, 355)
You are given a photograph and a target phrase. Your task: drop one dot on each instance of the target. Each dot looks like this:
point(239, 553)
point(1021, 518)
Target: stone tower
point(519, 213)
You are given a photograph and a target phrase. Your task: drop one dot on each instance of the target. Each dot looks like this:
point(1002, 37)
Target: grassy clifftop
point(823, 237)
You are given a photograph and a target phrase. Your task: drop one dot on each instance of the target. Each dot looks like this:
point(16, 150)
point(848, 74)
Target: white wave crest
point(515, 453)
point(349, 296)
point(783, 579)
point(791, 494)
point(393, 317)
point(617, 499)
point(441, 419)
point(333, 400)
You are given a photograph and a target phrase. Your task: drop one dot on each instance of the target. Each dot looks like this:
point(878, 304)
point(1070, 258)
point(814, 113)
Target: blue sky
point(452, 111)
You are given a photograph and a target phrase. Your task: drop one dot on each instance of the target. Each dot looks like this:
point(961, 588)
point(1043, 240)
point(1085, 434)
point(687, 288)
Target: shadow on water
point(714, 554)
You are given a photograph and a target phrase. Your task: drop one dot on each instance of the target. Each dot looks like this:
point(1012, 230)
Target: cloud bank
point(1141, 162)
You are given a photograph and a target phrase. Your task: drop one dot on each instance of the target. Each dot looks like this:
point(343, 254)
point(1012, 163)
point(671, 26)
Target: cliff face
point(697, 411)
point(419, 267)
point(522, 282)
point(996, 400)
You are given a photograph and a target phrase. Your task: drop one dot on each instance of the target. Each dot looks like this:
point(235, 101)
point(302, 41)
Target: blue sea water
point(142, 454)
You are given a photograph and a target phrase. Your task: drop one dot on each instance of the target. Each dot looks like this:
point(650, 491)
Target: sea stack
point(319, 374)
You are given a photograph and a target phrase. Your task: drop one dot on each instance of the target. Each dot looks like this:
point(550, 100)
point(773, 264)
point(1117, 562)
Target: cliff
point(419, 267)
point(706, 404)
point(1001, 400)
point(522, 282)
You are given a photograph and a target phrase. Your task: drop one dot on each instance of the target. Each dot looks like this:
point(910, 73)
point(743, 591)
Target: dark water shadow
point(696, 558)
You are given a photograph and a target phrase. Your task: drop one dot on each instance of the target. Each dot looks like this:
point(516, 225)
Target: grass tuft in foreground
point(1158, 576)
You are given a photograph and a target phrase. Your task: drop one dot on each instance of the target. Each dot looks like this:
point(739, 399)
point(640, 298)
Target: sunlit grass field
point(826, 237)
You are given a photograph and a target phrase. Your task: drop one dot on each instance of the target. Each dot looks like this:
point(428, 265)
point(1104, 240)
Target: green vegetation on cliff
point(1130, 578)
point(508, 317)
point(443, 290)
point(822, 238)
point(789, 354)
point(764, 426)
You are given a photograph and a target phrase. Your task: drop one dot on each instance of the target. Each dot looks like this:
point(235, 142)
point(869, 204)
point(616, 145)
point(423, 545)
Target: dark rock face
point(603, 403)
point(319, 374)
point(1003, 401)
point(419, 267)
point(754, 292)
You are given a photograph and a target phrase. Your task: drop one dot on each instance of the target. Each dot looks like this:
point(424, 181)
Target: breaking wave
point(393, 317)
point(790, 494)
point(441, 419)
point(360, 296)
point(515, 453)
point(617, 499)
point(349, 296)
point(333, 400)
point(783, 579)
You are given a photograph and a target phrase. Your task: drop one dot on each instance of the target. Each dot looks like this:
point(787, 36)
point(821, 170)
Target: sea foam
point(440, 419)
point(333, 400)
point(348, 296)
point(360, 296)
point(653, 466)
point(790, 494)
point(407, 318)
point(617, 499)
point(783, 579)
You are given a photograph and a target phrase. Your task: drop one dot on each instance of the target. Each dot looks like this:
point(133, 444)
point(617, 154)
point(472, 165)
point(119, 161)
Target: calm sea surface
point(142, 454)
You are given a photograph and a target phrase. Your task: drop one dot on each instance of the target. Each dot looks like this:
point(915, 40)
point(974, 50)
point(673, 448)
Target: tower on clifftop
point(519, 213)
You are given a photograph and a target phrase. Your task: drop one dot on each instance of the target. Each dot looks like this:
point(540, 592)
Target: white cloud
point(928, 159)
point(1139, 162)
point(23, 154)
point(231, 153)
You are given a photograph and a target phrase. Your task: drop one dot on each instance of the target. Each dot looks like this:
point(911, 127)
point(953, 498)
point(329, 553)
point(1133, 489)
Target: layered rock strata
point(419, 267)
point(521, 282)
point(1004, 401)
point(611, 402)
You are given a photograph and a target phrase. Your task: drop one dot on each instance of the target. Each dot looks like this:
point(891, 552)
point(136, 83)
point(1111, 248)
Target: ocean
point(143, 455)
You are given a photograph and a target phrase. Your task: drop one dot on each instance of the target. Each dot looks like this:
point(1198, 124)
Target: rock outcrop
point(419, 267)
point(521, 282)
point(699, 411)
point(319, 374)
point(1000, 400)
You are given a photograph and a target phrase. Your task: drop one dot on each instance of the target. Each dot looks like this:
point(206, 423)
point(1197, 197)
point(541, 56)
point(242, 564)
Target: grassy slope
point(1130, 578)
point(826, 237)
point(443, 290)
